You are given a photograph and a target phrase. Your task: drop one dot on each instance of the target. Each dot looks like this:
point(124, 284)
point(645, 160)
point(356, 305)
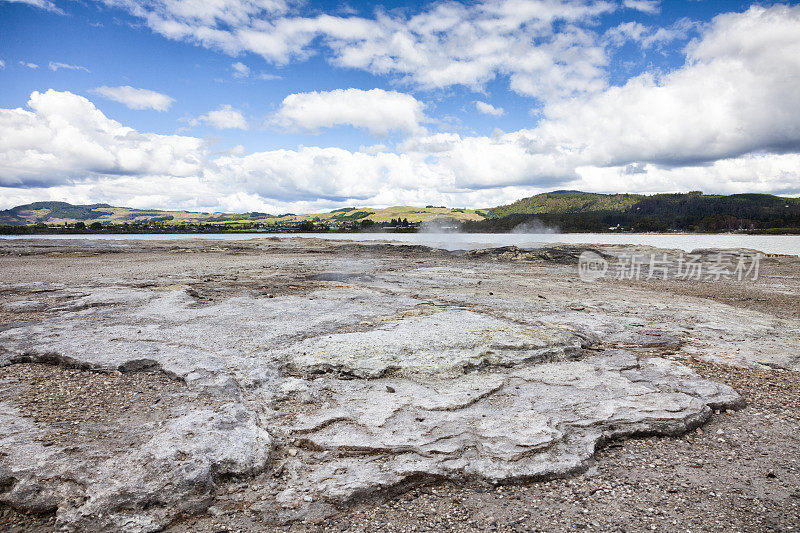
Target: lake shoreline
point(769, 244)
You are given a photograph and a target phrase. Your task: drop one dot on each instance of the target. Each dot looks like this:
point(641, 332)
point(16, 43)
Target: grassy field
point(412, 214)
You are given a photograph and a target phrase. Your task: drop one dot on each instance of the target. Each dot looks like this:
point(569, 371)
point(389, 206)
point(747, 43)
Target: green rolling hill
point(60, 213)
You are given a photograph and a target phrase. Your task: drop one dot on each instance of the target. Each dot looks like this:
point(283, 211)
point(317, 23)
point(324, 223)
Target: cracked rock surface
point(529, 422)
point(321, 373)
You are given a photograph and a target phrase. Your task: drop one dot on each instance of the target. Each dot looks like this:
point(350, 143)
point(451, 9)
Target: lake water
point(775, 244)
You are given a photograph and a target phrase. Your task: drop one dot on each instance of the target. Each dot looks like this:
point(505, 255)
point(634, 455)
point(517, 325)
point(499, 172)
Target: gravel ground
point(81, 407)
point(739, 472)
point(78, 405)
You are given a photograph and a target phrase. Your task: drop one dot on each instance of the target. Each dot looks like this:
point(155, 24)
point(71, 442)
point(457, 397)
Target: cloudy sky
point(301, 106)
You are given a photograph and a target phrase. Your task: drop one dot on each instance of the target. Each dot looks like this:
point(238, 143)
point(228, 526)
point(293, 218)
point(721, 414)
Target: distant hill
point(562, 210)
point(59, 213)
point(693, 211)
point(412, 214)
point(566, 202)
point(47, 211)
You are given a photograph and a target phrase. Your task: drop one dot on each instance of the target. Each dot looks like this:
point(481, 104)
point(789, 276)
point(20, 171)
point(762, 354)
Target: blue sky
point(387, 104)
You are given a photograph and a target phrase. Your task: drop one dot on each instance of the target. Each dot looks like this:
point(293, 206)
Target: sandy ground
point(739, 472)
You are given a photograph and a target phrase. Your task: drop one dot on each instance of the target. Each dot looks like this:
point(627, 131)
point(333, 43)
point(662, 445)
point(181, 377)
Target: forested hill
point(694, 211)
point(566, 202)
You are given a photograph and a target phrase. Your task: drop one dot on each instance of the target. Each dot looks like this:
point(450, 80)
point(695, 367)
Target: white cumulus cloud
point(646, 6)
point(650, 37)
point(240, 70)
point(226, 117)
point(489, 109)
point(736, 94)
point(63, 137)
point(376, 110)
point(136, 98)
